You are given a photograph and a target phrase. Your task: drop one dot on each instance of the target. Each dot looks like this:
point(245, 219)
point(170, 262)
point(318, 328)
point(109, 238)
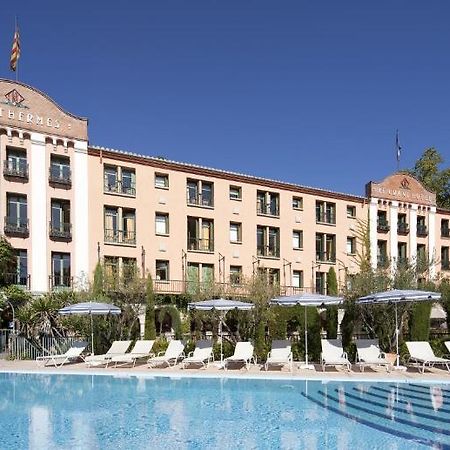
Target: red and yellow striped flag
point(15, 52)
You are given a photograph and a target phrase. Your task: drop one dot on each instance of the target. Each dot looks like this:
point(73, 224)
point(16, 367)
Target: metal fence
point(13, 346)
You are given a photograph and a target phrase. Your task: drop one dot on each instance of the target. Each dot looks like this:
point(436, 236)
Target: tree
point(7, 261)
point(427, 171)
point(97, 286)
point(150, 328)
point(332, 311)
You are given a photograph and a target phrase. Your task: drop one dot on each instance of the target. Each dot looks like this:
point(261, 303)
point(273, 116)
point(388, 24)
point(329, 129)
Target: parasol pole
point(306, 337)
point(92, 333)
point(396, 336)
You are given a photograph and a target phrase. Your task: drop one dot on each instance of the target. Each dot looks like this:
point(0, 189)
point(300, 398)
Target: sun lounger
point(333, 355)
point(117, 348)
point(279, 355)
point(73, 354)
point(202, 354)
point(243, 353)
point(368, 353)
point(421, 353)
point(141, 349)
point(447, 344)
point(173, 353)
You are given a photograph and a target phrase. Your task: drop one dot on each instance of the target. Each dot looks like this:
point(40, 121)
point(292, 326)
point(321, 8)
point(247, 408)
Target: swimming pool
point(47, 411)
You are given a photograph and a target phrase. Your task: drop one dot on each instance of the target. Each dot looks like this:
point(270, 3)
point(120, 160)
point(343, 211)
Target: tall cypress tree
point(332, 311)
point(150, 329)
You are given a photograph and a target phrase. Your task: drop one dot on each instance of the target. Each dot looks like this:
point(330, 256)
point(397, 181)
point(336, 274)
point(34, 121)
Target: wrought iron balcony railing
point(267, 209)
point(445, 265)
point(382, 261)
point(120, 237)
point(200, 200)
point(15, 170)
point(445, 232)
point(15, 279)
point(60, 231)
point(201, 245)
point(326, 217)
point(383, 226)
point(60, 178)
point(326, 257)
point(60, 282)
point(268, 251)
point(422, 230)
point(120, 188)
point(402, 228)
point(16, 226)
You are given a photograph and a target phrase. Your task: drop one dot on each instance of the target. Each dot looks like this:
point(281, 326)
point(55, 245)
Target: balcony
point(15, 226)
point(60, 282)
point(60, 231)
point(61, 179)
point(445, 265)
point(201, 245)
point(326, 217)
point(422, 231)
point(402, 261)
point(267, 209)
point(402, 228)
point(12, 169)
point(445, 232)
point(382, 261)
point(326, 257)
point(15, 279)
point(120, 188)
point(383, 226)
point(120, 237)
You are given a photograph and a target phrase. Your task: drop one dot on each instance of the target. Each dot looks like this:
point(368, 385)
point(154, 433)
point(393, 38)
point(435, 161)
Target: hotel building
point(67, 205)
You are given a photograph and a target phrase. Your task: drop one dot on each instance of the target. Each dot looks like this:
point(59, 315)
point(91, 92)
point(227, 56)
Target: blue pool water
point(40, 411)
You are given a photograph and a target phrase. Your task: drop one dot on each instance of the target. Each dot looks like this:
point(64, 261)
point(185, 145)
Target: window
point(162, 270)
point(200, 234)
point(297, 278)
point(16, 221)
point(61, 270)
point(325, 212)
point(111, 268)
point(402, 255)
point(16, 163)
point(268, 203)
point(60, 226)
point(272, 275)
point(120, 226)
point(297, 203)
point(129, 269)
point(326, 247)
point(235, 232)
point(119, 180)
point(199, 273)
point(320, 283)
point(382, 258)
point(351, 211)
point(382, 223)
point(235, 274)
point(19, 274)
point(402, 225)
point(200, 193)
point(60, 173)
point(351, 245)
point(268, 241)
point(161, 180)
point(445, 228)
point(162, 223)
point(445, 258)
point(297, 239)
point(235, 193)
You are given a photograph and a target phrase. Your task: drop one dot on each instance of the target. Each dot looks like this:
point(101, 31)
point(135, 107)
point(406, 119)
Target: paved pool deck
point(434, 375)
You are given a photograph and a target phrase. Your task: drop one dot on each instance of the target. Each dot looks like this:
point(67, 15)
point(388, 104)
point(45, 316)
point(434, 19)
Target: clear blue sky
point(302, 91)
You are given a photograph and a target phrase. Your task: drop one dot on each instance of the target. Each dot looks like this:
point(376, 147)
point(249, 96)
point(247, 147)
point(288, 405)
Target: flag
point(398, 148)
point(15, 52)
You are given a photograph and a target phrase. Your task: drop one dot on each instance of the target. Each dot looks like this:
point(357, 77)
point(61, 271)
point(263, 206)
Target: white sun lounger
point(243, 353)
point(141, 349)
point(368, 353)
point(279, 355)
point(117, 348)
point(202, 354)
point(73, 354)
point(421, 353)
point(173, 353)
point(447, 344)
point(333, 355)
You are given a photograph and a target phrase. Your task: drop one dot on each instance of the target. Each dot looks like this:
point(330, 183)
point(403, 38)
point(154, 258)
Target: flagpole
point(17, 64)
